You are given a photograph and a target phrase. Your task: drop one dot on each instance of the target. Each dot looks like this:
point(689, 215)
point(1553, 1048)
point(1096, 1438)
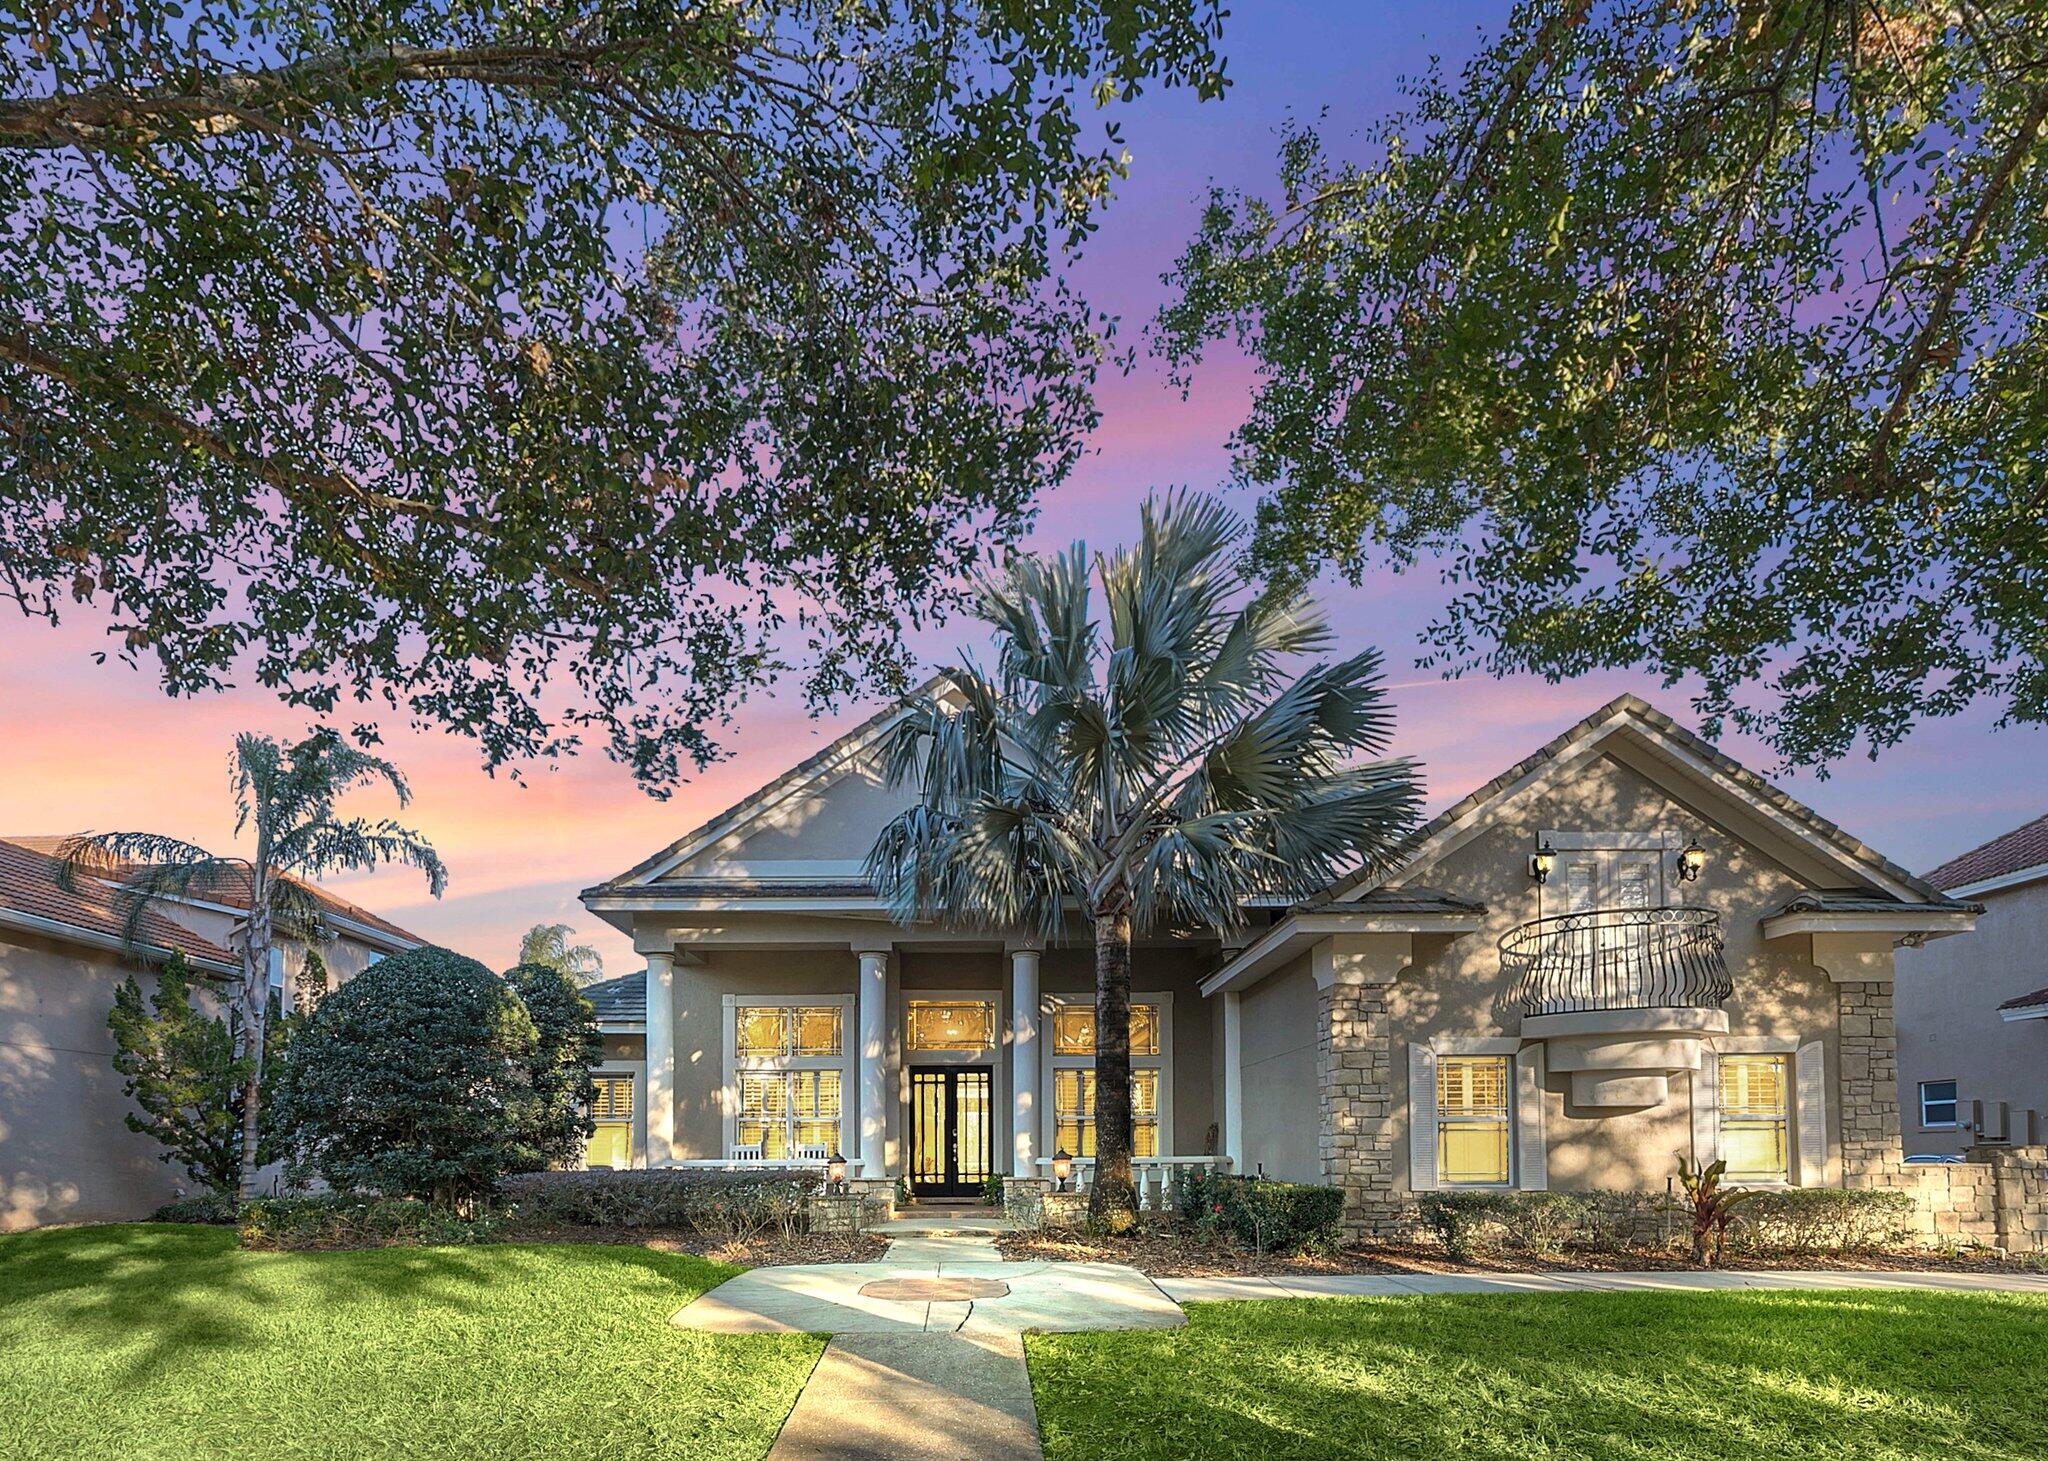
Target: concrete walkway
point(926, 1361)
point(1325, 1286)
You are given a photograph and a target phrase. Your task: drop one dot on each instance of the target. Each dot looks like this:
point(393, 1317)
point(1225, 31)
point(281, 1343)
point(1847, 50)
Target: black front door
point(952, 1148)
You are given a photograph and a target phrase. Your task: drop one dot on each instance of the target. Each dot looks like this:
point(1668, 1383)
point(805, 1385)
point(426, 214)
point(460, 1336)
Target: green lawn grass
point(1856, 1373)
point(154, 1341)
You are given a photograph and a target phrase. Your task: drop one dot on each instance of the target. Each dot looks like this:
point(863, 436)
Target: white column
point(873, 1002)
point(661, 1059)
point(1233, 1079)
point(1024, 1061)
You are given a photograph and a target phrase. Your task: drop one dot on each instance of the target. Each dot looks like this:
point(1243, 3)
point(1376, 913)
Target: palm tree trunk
point(255, 1020)
point(1114, 1198)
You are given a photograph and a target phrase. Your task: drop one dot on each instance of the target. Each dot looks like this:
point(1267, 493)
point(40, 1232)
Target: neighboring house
point(66, 1153)
point(1624, 949)
point(1973, 1017)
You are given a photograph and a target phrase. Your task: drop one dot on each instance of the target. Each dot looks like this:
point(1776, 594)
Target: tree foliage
point(432, 354)
point(415, 1079)
point(1702, 336)
point(182, 1068)
point(1151, 773)
point(285, 800)
point(548, 943)
point(567, 1044)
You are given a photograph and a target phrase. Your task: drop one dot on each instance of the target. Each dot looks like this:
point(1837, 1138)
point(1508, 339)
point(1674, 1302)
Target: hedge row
point(1795, 1219)
point(1267, 1216)
point(723, 1204)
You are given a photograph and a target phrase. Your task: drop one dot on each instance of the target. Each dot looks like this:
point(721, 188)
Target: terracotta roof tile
point(28, 884)
point(2022, 847)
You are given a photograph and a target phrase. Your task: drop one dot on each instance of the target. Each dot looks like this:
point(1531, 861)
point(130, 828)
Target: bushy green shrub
point(1465, 1222)
point(992, 1192)
point(719, 1204)
point(413, 1079)
point(207, 1207)
point(1268, 1216)
point(568, 1043)
point(1541, 1222)
point(1824, 1220)
point(337, 1220)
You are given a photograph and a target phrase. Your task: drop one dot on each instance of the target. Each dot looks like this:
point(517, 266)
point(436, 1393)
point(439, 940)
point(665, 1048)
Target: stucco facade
point(1318, 1042)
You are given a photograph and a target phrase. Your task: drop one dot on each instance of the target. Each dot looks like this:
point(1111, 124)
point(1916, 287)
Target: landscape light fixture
point(835, 1171)
point(1062, 1168)
point(1541, 861)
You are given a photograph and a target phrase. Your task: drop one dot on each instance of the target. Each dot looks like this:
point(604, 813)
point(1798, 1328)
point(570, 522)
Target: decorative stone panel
point(1354, 1068)
point(1024, 1200)
point(1867, 1082)
point(836, 1212)
point(1064, 1209)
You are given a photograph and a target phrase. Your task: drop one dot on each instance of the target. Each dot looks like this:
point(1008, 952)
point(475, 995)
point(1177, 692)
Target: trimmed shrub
point(567, 1045)
point(1823, 1220)
point(1541, 1222)
point(339, 1220)
point(1465, 1222)
point(413, 1079)
point(731, 1205)
point(1268, 1216)
point(215, 1208)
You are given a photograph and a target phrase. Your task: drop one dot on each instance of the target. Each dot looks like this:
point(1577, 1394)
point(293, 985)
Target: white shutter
point(1706, 1109)
point(1811, 1082)
point(1421, 1118)
point(1532, 1162)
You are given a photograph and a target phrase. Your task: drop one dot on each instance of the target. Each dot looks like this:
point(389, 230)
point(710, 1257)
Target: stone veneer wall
point(1354, 1071)
point(1867, 1082)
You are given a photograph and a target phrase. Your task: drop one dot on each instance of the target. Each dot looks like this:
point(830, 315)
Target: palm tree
point(1158, 777)
point(285, 795)
point(548, 943)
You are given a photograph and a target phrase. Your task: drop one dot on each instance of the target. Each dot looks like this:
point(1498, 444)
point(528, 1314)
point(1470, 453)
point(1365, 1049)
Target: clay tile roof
point(2022, 847)
point(28, 884)
point(232, 890)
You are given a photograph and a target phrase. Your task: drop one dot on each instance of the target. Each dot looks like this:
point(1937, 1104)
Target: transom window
point(950, 1024)
point(1472, 1112)
point(1073, 1102)
point(765, 1031)
point(1755, 1131)
point(1938, 1103)
point(1073, 1030)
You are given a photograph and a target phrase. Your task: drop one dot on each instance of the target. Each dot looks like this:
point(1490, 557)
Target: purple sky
point(92, 746)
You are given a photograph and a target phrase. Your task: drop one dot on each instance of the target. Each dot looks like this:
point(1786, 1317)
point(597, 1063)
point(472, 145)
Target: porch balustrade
point(1153, 1176)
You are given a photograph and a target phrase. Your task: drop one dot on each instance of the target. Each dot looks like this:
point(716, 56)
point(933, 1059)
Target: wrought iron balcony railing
point(1618, 959)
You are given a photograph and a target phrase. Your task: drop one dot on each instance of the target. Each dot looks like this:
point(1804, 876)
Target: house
point(1973, 1015)
point(1623, 949)
point(66, 1153)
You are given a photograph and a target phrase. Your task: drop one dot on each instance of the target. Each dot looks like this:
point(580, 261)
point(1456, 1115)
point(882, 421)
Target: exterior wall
point(1281, 1065)
point(66, 1153)
point(344, 955)
point(1949, 1026)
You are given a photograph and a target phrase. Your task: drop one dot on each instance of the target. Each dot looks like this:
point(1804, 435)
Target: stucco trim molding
point(1298, 933)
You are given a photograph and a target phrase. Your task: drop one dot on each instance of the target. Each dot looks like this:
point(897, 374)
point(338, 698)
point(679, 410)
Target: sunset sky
point(100, 747)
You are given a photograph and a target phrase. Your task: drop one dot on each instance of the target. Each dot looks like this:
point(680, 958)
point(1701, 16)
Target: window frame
point(981, 1056)
point(1509, 1123)
point(1787, 1118)
point(636, 1118)
point(737, 1066)
point(1954, 1102)
point(1050, 1064)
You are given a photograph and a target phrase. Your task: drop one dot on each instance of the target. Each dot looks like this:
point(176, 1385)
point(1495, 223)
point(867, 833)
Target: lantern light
point(835, 1170)
point(1062, 1167)
point(1541, 861)
point(1692, 862)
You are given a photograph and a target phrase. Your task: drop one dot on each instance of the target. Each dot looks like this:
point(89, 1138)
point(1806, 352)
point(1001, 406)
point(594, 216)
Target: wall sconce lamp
point(1541, 861)
point(835, 1171)
point(1692, 862)
point(1062, 1168)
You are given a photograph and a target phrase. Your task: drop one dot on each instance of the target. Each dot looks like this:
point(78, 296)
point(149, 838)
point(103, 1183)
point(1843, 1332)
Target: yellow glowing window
point(1472, 1119)
point(1073, 1029)
point(1754, 1127)
point(786, 1113)
point(614, 1099)
point(1073, 1100)
point(611, 1109)
point(764, 1032)
point(954, 1024)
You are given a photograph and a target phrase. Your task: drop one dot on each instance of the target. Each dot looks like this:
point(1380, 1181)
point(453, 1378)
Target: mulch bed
point(1165, 1252)
point(765, 1250)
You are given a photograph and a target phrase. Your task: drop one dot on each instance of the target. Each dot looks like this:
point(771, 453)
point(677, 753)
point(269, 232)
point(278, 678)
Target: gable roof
point(231, 890)
point(93, 912)
point(1632, 710)
point(2022, 849)
point(750, 808)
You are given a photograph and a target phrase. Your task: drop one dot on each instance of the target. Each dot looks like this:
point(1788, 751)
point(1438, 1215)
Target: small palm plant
point(548, 944)
point(1713, 1208)
point(1154, 773)
point(285, 795)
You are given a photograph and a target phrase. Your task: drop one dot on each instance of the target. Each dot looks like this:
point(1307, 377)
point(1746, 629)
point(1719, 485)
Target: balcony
point(1622, 998)
point(1618, 959)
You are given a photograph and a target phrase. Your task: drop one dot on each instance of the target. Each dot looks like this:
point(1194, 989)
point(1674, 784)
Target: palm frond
point(315, 849)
